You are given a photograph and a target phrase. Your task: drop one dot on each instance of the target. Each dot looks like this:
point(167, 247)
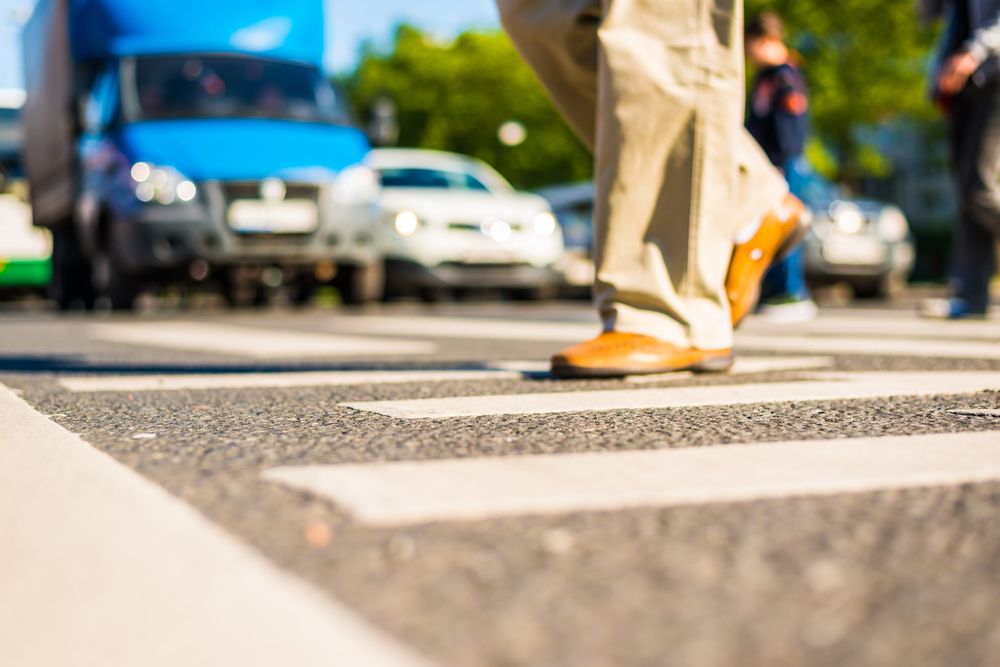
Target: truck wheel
point(71, 285)
point(359, 285)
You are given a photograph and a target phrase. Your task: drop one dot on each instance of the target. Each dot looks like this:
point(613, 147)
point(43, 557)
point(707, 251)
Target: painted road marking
point(189, 382)
point(252, 341)
point(390, 494)
point(111, 565)
point(824, 387)
point(860, 323)
point(883, 346)
point(897, 337)
point(976, 413)
point(501, 370)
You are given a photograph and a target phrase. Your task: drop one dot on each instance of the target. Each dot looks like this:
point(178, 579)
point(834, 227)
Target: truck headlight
point(161, 185)
point(545, 224)
point(356, 186)
point(892, 225)
point(406, 223)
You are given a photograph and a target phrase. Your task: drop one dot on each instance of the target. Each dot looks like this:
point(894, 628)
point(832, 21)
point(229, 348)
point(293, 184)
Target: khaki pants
point(656, 89)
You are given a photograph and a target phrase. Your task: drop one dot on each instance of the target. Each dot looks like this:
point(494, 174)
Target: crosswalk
point(104, 560)
point(482, 488)
point(394, 494)
point(394, 374)
point(826, 387)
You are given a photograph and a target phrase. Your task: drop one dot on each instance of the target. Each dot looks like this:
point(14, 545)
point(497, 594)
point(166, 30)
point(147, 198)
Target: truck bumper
point(170, 239)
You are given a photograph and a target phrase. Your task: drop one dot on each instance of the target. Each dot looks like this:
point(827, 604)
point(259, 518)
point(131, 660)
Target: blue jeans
point(788, 277)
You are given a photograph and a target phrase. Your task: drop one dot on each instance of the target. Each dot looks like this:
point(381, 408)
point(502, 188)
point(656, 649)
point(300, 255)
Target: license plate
point(286, 217)
point(854, 251)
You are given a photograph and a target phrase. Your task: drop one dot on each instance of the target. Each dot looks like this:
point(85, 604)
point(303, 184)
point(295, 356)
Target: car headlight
point(848, 218)
point(161, 185)
point(545, 224)
point(356, 186)
point(406, 223)
point(892, 225)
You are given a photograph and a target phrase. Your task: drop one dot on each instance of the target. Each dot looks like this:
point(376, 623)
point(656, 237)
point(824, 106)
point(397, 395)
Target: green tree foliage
point(455, 96)
point(867, 64)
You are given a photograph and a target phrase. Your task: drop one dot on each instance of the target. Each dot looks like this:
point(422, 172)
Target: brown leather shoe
point(612, 355)
point(779, 234)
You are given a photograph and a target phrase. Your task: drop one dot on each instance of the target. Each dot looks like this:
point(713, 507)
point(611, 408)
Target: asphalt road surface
point(406, 487)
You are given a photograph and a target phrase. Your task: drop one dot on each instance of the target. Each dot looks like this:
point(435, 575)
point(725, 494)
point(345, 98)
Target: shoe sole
point(710, 365)
point(788, 246)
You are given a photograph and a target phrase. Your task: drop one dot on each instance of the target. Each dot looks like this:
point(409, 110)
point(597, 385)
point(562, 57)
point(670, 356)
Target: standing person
point(689, 213)
point(778, 120)
point(967, 86)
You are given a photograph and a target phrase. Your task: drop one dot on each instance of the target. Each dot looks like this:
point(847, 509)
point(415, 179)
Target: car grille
point(251, 190)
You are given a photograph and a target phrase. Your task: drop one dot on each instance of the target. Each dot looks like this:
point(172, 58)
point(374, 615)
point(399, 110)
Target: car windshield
point(434, 179)
point(234, 87)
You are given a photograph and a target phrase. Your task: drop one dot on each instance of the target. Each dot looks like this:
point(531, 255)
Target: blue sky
point(350, 23)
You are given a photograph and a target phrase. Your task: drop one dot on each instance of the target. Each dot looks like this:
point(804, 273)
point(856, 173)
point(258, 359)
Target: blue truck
point(183, 141)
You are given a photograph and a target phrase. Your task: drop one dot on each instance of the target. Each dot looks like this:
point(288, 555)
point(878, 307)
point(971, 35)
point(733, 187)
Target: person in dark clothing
point(778, 119)
point(967, 88)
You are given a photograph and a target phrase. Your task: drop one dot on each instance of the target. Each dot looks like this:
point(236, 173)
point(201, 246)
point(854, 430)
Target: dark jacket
point(779, 113)
point(973, 26)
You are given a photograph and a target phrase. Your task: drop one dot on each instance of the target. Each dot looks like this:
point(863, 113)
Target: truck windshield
point(234, 87)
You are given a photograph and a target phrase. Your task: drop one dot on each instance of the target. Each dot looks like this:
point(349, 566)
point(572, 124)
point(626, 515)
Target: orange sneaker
point(780, 233)
point(613, 355)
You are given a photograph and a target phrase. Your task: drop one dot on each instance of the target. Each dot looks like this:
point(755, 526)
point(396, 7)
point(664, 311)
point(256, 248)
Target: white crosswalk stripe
point(839, 334)
point(419, 492)
point(899, 347)
point(104, 560)
point(253, 342)
point(825, 386)
point(861, 324)
point(209, 381)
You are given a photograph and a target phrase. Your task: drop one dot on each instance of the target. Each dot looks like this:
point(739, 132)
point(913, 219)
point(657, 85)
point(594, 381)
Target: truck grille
point(251, 190)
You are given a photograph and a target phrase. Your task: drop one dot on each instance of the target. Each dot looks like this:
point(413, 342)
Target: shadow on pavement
point(71, 364)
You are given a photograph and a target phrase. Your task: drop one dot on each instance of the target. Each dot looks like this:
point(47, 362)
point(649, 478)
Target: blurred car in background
point(451, 222)
point(179, 142)
point(865, 244)
point(25, 251)
point(573, 206)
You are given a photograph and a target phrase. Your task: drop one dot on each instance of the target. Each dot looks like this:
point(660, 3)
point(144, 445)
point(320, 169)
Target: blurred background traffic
point(178, 149)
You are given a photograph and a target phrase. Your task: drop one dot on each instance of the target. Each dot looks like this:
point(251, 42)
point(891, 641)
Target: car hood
point(461, 206)
point(244, 149)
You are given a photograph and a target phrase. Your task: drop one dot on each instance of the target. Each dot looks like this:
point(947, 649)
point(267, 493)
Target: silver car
point(866, 244)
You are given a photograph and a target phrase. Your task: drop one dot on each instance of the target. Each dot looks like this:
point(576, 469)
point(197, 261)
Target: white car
point(452, 222)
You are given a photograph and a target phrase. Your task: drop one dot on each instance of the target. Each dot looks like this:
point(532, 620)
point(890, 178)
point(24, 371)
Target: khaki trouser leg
point(677, 176)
